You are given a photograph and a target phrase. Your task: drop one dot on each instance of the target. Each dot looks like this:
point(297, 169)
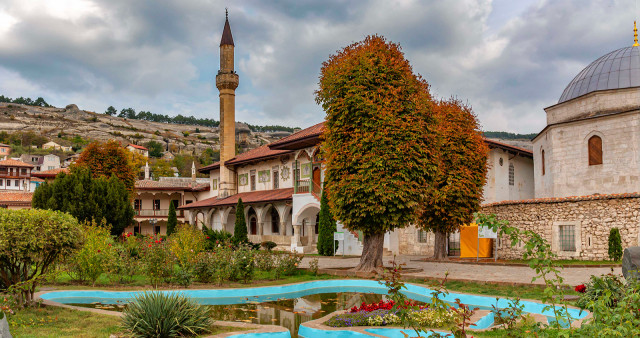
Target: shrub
point(243, 264)
point(95, 255)
point(287, 264)
point(265, 260)
point(157, 260)
point(615, 244)
point(215, 237)
point(161, 314)
point(214, 266)
point(32, 240)
point(127, 263)
point(269, 245)
point(327, 227)
point(599, 287)
point(172, 219)
point(185, 244)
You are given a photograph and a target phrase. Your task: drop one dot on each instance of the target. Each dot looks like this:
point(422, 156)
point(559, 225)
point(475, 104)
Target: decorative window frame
point(555, 239)
point(584, 150)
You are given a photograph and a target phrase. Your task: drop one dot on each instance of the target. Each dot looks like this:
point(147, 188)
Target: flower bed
point(383, 317)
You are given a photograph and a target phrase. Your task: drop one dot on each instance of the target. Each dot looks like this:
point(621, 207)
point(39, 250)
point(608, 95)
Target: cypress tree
point(326, 229)
point(615, 244)
point(172, 220)
point(240, 229)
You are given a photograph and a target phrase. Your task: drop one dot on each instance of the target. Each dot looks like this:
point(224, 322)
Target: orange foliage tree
point(378, 140)
point(106, 159)
point(462, 167)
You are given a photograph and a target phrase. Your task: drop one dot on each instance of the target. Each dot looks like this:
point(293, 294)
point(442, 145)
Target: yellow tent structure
point(469, 243)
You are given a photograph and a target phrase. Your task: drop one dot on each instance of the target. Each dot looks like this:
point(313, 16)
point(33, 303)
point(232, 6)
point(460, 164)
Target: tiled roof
point(306, 134)
point(50, 173)
point(137, 146)
point(214, 165)
point(506, 146)
point(260, 153)
point(4, 145)
point(186, 185)
point(255, 154)
point(14, 163)
point(565, 199)
point(15, 197)
point(247, 198)
point(36, 179)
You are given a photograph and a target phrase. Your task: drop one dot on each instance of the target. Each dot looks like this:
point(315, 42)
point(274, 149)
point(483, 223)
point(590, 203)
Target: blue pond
point(301, 295)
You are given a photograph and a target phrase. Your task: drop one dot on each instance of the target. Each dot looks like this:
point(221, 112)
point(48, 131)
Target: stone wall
point(408, 243)
point(592, 216)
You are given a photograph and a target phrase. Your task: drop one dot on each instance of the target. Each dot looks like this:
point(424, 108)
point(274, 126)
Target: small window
point(176, 203)
point(17, 183)
point(276, 181)
point(422, 236)
point(188, 201)
point(157, 230)
point(567, 238)
point(542, 156)
point(511, 174)
point(137, 204)
point(1, 183)
point(156, 204)
point(253, 180)
point(595, 150)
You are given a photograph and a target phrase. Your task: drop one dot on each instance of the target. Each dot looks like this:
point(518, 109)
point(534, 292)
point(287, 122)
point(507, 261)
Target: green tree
point(162, 168)
point(456, 190)
point(378, 141)
point(326, 229)
point(172, 219)
point(615, 245)
point(155, 148)
point(111, 111)
point(30, 242)
point(87, 199)
point(240, 228)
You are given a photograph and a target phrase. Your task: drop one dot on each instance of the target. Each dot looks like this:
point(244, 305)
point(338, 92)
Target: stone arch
point(253, 222)
point(209, 217)
point(228, 219)
point(200, 219)
point(297, 220)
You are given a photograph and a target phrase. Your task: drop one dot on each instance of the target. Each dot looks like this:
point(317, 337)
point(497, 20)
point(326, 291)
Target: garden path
point(469, 272)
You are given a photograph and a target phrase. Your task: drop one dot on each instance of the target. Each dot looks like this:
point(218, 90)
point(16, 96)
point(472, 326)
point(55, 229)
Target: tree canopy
point(456, 190)
point(326, 229)
point(155, 148)
point(107, 159)
point(30, 241)
point(87, 198)
point(378, 140)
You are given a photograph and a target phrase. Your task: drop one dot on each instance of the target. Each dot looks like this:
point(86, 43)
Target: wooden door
point(316, 180)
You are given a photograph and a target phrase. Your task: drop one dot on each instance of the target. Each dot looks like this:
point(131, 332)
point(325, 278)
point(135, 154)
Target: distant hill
point(503, 135)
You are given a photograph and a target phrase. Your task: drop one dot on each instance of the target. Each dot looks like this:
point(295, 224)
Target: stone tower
point(227, 82)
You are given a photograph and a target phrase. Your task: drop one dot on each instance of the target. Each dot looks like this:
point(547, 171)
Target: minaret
point(147, 175)
point(227, 82)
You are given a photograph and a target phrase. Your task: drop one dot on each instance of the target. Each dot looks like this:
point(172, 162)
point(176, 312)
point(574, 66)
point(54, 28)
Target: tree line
point(508, 136)
point(39, 102)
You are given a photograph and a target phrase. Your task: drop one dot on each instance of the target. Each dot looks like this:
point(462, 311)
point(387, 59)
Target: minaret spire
point(635, 35)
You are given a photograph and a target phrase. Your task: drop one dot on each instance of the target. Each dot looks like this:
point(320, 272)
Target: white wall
point(497, 187)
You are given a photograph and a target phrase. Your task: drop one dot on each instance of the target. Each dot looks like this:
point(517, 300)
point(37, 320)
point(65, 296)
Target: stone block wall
point(592, 216)
point(408, 243)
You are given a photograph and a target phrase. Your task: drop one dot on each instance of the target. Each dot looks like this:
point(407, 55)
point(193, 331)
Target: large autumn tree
point(106, 159)
point(456, 190)
point(377, 141)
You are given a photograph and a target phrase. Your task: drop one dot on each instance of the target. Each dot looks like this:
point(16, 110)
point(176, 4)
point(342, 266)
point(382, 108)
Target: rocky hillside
point(58, 124)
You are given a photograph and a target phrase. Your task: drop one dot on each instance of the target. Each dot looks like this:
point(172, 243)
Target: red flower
point(157, 241)
point(581, 288)
point(207, 237)
point(149, 245)
point(98, 250)
point(109, 244)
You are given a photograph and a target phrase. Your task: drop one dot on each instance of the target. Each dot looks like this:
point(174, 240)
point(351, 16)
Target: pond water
point(286, 312)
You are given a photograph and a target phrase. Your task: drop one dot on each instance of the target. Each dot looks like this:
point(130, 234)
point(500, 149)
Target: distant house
point(5, 149)
point(167, 156)
point(15, 175)
point(134, 148)
point(34, 160)
point(67, 161)
point(51, 145)
point(48, 175)
point(50, 162)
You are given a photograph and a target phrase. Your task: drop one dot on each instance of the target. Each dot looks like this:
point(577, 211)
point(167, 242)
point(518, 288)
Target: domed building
point(591, 142)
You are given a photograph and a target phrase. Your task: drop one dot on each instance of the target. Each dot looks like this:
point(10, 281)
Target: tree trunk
point(371, 258)
point(440, 246)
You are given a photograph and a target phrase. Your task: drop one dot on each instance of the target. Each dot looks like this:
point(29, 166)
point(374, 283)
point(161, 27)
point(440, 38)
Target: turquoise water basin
point(294, 291)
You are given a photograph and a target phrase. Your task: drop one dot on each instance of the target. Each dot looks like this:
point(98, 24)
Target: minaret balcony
point(227, 80)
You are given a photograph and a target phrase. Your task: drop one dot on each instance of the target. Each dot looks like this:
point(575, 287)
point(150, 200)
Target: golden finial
point(635, 35)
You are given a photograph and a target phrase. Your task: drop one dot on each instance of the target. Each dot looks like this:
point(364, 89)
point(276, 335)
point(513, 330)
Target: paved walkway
point(470, 272)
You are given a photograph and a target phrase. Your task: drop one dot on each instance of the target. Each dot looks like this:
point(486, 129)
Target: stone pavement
point(469, 272)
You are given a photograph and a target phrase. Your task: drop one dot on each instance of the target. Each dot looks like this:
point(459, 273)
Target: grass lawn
point(52, 321)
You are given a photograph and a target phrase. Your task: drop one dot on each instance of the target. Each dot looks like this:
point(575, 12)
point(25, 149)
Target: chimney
point(146, 171)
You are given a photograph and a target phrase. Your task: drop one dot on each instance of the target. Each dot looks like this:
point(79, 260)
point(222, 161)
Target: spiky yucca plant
point(165, 314)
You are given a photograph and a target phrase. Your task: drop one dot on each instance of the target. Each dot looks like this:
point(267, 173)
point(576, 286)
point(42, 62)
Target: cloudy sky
point(508, 59)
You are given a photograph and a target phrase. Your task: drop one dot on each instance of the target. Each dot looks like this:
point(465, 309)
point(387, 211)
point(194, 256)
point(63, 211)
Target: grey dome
point(618, 69)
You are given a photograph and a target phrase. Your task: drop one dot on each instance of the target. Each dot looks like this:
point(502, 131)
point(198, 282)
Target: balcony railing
point(303, 186)
point(157, 213)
